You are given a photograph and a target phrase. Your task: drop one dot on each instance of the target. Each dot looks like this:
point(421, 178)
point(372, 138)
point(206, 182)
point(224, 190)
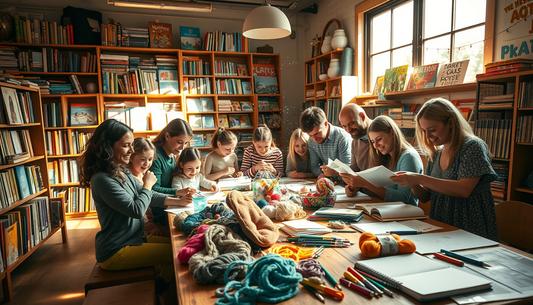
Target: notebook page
point(379, 176)
point(379, 227)
point(367, 207)
point(358, 197)
point(399, 211)
point(401, 265)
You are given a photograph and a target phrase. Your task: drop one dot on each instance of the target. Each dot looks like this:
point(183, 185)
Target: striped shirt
point(251, 158)
point(336, 146)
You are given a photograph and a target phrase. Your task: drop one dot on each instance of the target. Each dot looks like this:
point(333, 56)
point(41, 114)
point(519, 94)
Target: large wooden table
point(335, 260)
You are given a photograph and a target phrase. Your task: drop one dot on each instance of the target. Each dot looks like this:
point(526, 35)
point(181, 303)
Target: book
point(265, 79)
point(236, 106)
point(160, 35)
point(195, 121)
point(169, 86)
point(423, 77)
point(208, 122)
point(325, 211)
point(234, 121)
point(245, 121)
point(379, 176)
point(207, 104)
point(395, 79)
point(247, 106)
point(11, 106)
point(207, 140)
point(223, 120)
point(197, 140)
point(22, 182)
point(378, 86)
point(452, 73)
point(194, 105)
point(11, 243)
point(242, 70)
point(190, 38)
point(389, 211)
point(82, 114)
point(340, 167)
point(246, 87)
point(422, 278)
point(303, 227)
point(263, 105)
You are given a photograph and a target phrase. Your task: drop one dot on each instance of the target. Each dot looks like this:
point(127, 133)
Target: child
point(187, 172)
point(140, 161)
point(262, 154)
point(222, 161)
point(298, 166)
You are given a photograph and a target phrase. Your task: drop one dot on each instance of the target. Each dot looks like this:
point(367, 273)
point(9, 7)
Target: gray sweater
point(120, 208)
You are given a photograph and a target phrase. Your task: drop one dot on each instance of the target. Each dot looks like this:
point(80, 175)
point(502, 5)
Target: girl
point(121, 203)
point(262, 154)
point(458, 173)
point(140, 161)
point(187, 174)
point(169, 144)
point(222, 161)
point(389, 148)
point(298, 166)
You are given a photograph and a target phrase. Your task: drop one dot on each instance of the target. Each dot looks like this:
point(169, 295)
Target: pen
point(335, 293)
point(410, 232)
point(384, 289)
point(330, 278)
point(344, 231)
point(317, 237)
point(464, 258)
point(357, 288)
point(324, 245)
point(449, 259)
point(365, 281)
point(352, 278)
point(314, 292)
point(316, 240)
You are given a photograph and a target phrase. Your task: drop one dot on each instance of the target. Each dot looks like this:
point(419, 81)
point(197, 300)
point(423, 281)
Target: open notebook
point(303, 227)
point(423, 278)
point(389, 211)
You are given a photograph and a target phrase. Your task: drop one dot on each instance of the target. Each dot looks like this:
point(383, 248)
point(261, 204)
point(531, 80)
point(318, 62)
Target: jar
point(339, 40)
point(326, 45)
point(334, 68)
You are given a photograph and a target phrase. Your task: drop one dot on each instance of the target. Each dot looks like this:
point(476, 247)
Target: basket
point(311, 202)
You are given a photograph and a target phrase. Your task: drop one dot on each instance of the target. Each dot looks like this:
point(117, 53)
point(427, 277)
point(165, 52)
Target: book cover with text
point(423, 77)
point(190, 38)
point(452, 73)
point(395, 79)
point(160, 35)
point(265, 79)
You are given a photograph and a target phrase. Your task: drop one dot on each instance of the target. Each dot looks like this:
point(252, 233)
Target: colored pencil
point(465, 259)
point(330, 278)
point(358, 288)
point(449, 259)
point(314, 292)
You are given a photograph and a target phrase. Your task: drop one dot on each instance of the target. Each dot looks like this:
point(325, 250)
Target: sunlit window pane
point(469, 12)
point(402, 25)
point(402, 56)
point(437, 17)
point(381, 28)
point(437, 50)
point(379, 63)
point(468, 46)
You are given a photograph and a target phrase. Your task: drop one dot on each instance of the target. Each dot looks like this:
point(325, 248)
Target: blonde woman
point(388, 147)
point(298, 166)
point(458, 173)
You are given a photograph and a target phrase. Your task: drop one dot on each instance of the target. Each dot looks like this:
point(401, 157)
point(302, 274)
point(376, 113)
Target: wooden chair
point(515, 224)
point(141, 293)
point(100, 278)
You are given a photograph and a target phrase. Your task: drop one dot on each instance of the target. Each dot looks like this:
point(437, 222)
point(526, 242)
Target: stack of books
point(8, 61)
point(498, 187)
point(167, 67)
point(135, 37)
point(61, 89)
point(224, 105)
point(225, 42)
point(347, 215)
point(496, 101)
point(303, 227)
point(507, 66)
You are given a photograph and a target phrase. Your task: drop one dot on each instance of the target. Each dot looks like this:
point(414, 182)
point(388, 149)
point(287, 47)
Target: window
point(405, 32)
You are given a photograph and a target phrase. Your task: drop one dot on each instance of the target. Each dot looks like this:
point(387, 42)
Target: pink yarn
point(193, 245)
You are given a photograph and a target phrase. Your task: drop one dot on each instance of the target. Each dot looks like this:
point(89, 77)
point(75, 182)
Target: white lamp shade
point(266, 22)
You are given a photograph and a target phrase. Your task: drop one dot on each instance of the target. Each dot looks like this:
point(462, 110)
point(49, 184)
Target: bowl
point(311, 202)
point(323, 77)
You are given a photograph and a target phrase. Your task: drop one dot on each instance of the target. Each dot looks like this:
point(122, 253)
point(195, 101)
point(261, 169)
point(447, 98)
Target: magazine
point(395, 79)
point(452, 73)
point(82, 114)
point(423, 77)
point(190, 38)
point(160, 35)
point(265, 79)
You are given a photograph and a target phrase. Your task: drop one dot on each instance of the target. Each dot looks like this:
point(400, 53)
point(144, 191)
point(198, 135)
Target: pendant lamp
point(266, 22)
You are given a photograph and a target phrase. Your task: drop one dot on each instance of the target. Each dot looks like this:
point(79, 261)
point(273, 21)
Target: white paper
point(451, 241)
point(378, 228)
point(420, 225)
point(340, 167)
point(176, 210)
point(226, 184)
point(358, 197)
point(213, 196)
point(379, 176)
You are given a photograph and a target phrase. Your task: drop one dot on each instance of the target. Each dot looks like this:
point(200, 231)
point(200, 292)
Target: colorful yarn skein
point(324, 186)
point(293, 252)
point(193, 245)
point(371, 247)
point(310, 268)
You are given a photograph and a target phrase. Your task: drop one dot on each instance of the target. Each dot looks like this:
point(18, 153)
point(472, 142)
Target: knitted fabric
point(270, 279)
point(180, 218)
point(213, 271)
point(310, 268)
point(193, 245)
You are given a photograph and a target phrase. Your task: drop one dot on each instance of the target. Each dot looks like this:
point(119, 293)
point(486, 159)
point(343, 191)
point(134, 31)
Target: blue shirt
point(337, 146)
point(409, 162)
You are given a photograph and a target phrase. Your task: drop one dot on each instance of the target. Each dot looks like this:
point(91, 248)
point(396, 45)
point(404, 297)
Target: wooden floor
point(56, 273)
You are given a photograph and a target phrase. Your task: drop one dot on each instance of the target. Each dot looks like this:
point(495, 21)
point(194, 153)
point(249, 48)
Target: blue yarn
point(270, 279)
point(262, 203)
point(194, 220)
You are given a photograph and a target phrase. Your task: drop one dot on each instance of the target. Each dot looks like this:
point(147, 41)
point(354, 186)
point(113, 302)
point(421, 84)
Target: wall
point(223, 18)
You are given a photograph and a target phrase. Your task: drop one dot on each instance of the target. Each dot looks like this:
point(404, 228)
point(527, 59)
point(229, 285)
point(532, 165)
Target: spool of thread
point(346, 62)
point(371, 247)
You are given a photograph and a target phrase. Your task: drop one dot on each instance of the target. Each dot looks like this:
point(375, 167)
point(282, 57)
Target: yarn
point(213, 271)
point(270, 279)
point(370, 246)
point(270, 211)
point(287, 210)
point(262, 203)
point(293, 252)
point(324, 186)
point(192, 222)
point(274, 202)
point(180, 218)
point(195, 220)
point(310, 268)
point(336, 224)
point(193, 245)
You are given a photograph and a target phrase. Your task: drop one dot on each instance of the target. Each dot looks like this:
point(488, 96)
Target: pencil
point(330, 278)
point(319, 252)
point(357, 288)
point(344, 231)
point(314, 292)
point(365, 281)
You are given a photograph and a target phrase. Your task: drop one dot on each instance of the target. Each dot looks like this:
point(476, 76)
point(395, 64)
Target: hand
point(214, 187)
point(237, 174)
point(328, 172)
point(294, 175)
point(149, 180)
point(355, 181)
point(321, 176)
point(187, 199)
point(156, 232)
point(230, 171)
point(351, 191)
point(300, 176)
point(269, 167)
point(185, 191)
point(406, 179)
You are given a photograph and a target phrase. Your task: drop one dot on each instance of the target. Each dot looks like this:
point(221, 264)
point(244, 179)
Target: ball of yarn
point(324, 186)
point(192, 222)
point(270, 211)
point(193, 245)
point(370, 246)
point(262, 203)
point(180, 218)
point(287, 210)
point(274, 202)
point(293, 252)
point(213, 271)
point(310, 267)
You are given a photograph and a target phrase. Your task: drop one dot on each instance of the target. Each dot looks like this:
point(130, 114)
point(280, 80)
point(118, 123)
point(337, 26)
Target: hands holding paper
point(406, 179)
point(328, 172)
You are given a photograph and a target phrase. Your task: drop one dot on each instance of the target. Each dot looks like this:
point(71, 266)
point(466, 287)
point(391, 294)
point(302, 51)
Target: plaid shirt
point(337, 146)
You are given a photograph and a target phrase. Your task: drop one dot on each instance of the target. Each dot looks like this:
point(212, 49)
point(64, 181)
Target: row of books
point(115, 35)
point(63, 171)
point(201, 140)
point(32, 29)
point(19, 182)
point(197, 85)
point(53, 115)
point(53, 60)
point(525, 95)
point(507, 66)
point(25, 226)
point(205, 121)
point(16, 108)
point(227, 68)
point(234, 121)
point(225, 42)
point(496, 102)
point(63, 142)
point(238, 106)
point(313, 72)
point(15, 146)
point(332, 110)
point(8, 60)
point(271, 120)
point(266, 103)
point(232, 86)
point(204, 104)
point(499, 186)
point(194, 65)
point(524, 125)
point(497, 135)
point(77, 199)
point(137, 82)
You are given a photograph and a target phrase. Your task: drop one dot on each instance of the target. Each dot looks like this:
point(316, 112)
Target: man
point(327, 141)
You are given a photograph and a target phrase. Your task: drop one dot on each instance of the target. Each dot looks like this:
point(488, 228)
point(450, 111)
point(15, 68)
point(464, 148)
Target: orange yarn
point(370, 246)
point(293, 252)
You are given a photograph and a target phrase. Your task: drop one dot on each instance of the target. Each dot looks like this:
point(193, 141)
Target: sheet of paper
point(288, 180)
point(378, 176)
point(177, 210)
point(214, 196)
point(340, 167)
point(451, 241)
point(358, 197)
point(380, 227)
point(420, 225)
point(229, 183)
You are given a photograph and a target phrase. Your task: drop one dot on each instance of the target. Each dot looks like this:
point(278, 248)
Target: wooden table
point(335, 260)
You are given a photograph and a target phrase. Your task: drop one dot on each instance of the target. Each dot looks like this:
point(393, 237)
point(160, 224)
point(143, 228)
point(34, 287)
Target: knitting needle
point(314, 292)
point(330, 278)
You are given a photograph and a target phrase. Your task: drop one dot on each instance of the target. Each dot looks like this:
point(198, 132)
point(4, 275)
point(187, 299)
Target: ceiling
point(289, 7)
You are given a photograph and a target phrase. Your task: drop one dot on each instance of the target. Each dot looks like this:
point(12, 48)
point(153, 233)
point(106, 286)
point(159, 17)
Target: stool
point(141, 293)
point(101, 278)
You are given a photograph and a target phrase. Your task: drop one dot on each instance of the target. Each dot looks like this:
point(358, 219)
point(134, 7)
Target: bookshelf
point(30, 192)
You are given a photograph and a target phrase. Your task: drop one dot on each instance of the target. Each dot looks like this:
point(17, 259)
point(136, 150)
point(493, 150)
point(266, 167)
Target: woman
point(389, 148)
point(121, 201)
point(458, 173)
point(169, 144)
